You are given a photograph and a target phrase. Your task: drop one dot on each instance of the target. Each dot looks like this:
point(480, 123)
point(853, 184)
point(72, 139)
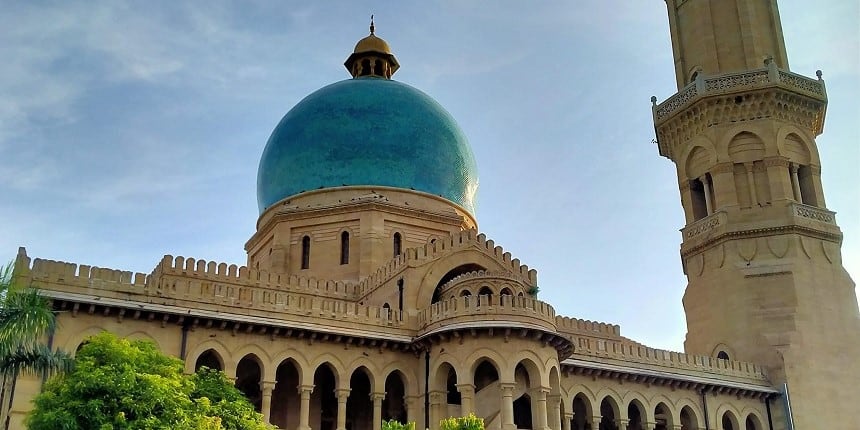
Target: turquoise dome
point(368, 131)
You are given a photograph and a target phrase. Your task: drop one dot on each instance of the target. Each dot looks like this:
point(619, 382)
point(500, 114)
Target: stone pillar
point(751, 184)
point(305, 406)
point(649, 426)
point(622, 423)
point(266, 388)
point(414, 410)
point(795, 183)
point(507, 411)
point(723, 184)
point(554, 417)
point(565, 422)
point(540, 408)
point(436, 398)
point(780, 178)
point(595, 421)
point(377, 409)
point(342, 394)
point(706, 184)
point(467, 398)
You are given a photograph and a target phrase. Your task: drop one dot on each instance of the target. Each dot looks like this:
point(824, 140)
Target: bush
point(470, 422)
point(396, 425)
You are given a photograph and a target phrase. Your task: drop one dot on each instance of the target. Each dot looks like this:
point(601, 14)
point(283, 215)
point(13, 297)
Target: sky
point(130, 130)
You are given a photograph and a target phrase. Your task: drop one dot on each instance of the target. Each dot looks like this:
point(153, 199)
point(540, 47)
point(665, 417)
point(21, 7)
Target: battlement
point(243, 276)
point(576, 325)
point(642, 356)
point(455, 241)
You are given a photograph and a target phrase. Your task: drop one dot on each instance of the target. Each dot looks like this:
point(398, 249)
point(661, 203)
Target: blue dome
point(368, 131)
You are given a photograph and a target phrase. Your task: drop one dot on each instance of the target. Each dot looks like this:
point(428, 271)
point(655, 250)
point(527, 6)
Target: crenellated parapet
point(610, 359)
point(244, 276)
point(455, 242)
point(194, 288)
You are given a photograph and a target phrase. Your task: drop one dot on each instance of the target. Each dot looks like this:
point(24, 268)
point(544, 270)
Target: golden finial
point(372, 27)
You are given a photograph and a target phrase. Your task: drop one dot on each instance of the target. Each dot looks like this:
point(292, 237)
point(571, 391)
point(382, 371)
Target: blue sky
point(129, 130)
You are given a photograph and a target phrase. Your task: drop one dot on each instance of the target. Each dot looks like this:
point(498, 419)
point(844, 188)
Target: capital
point(305, 389)
point(267, 387)
point(342, 393)
point(377, 397)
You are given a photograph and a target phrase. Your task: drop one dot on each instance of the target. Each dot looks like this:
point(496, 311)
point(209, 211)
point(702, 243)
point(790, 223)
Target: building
point(368, 293)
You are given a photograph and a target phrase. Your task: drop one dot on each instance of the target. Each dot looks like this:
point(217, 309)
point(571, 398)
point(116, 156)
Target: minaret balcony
point(735, 97)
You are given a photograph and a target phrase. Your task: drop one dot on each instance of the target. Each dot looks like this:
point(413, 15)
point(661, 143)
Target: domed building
point(368, 293)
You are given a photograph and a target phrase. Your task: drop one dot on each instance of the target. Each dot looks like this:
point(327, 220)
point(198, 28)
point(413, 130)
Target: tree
point(25, 318)
point(121, 384)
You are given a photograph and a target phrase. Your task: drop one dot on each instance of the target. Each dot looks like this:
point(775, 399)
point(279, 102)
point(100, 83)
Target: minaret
point(760, 249)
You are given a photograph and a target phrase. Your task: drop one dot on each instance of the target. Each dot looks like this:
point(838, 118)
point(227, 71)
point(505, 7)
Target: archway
point(662, 417)
point(729, 421)
point(394, 406)
point(688, 419)
point(285, 396)
point(486, 381)
point(581, 413)
point(248, 374)
point(608, 414)
point(485, 291)
point(359, 405)
point(523, 412)
point(211, 359)
point(635, 415)
point(453, 273)
point(752, 423)
point(323, 398)
point(527, 377)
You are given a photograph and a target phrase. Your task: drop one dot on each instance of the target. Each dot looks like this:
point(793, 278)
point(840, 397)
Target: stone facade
point(361, 303)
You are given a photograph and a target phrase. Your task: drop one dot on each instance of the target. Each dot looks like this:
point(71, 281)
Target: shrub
point(396, 425)
point(470, 422)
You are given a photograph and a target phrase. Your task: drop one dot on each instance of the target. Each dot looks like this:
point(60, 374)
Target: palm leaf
point(36, 360)
point(24, 318)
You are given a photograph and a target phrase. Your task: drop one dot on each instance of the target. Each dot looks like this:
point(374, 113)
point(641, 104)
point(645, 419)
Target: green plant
point(397, 425)
point(470, 422)
point(533, 291)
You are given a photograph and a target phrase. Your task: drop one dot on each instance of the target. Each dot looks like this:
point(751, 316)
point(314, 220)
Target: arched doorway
point(486, 381)
point(635, 415)
point(211, 359)
point(729, 421)
point(323, 399)
point(394, 405)
point(662, 417)
point(581, 413)
point(359, 405)
point(285, 396)
point(688, 419)
point(248, 374)
point(608, 414)
point(753, 423)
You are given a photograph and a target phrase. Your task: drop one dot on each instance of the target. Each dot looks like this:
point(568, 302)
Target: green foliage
point(25, 318)
point(397, 425)
point(533, 291)
point(121, 384)
point(470, 422)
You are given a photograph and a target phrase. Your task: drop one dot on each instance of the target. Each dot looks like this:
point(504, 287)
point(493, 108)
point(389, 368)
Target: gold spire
point(372, 57)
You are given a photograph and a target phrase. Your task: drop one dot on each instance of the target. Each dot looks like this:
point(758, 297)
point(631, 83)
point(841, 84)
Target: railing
point(813, 213)
point(703, 225)
point(490, 311)
point(475, 280)
point(739, 81)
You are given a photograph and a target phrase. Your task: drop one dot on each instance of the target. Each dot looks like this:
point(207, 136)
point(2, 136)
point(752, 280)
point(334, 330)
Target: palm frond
point(36, 360)
point(24, 317)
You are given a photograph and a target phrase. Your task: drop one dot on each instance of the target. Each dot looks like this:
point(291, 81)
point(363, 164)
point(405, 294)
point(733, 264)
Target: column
point(554, 401)
point(342, 394)
point(751, 184)
point(650, 426)
point(595, 421)
point(436, 409)
point(540, 407)
point(467, 398)
point(565, 422)
point(377, 409)
point(266, 387)
point(413, 409)
point(508, 405)
point(795, 183)
point(706, 184)
point(305, 406)
point(622, 423)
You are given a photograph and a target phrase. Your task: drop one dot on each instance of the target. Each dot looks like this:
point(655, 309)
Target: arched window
point(365, 67)
point(306, 252)
point(398, 244)
point(485, 291)
point(723, 355)
point(344, 248)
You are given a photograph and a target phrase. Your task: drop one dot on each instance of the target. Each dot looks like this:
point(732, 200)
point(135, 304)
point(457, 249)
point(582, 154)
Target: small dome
point(372, 43)
point(368, 132)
